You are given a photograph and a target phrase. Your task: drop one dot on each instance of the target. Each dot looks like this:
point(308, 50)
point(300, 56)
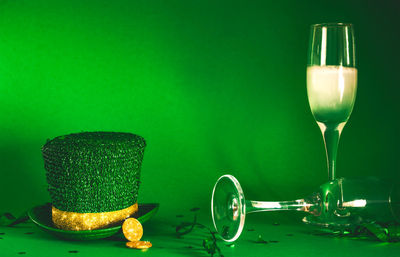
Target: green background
point(214, 87)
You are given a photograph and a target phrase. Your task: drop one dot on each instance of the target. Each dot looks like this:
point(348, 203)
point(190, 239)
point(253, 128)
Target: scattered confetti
point(9, 216)
point(7, 219)
point(260, 240)
point(209, 243)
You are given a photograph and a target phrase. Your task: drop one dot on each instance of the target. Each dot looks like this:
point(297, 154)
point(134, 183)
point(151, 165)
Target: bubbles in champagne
point(331, 92)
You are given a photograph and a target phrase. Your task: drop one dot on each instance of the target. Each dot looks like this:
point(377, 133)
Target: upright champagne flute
point(331, 82)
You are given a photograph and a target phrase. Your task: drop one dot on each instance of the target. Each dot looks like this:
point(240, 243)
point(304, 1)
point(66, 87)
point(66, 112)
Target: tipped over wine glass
point(340, 203)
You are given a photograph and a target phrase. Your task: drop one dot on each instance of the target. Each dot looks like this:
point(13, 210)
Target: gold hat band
point(88, 221)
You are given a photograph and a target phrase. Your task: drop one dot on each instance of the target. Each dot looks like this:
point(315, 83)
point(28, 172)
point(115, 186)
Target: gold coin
point(139, 244)
point(132, 229)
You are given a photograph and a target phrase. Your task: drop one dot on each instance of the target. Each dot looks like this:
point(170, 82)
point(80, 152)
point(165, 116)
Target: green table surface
point(285, 234)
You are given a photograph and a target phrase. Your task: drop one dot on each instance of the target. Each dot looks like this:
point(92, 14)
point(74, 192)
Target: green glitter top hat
point(93, 172)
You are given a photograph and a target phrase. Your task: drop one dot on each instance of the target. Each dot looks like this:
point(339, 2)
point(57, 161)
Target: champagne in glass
point(331, 82)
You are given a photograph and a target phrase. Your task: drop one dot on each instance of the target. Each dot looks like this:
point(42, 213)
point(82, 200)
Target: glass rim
point(242, 206)
point(332, 24)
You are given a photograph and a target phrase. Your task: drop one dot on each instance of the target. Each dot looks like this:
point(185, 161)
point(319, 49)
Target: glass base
point(333, 224)
point(228, 208)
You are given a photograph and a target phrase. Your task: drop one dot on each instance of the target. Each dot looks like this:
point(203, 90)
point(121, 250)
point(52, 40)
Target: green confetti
point(394, 233)
point(384, 232)
point(260, 240)
point(186, 227)
point(381, 233)
point(209, 243)
point(209, 246)
point(7, 219)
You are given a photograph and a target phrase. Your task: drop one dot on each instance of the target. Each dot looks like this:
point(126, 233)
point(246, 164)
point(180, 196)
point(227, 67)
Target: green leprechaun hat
point(93, 172)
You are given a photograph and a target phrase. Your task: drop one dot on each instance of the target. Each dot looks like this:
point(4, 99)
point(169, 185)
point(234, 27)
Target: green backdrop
point(214, 87)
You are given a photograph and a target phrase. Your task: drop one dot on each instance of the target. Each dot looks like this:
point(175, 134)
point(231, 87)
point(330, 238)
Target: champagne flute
point(339, 204)
point(331, 82)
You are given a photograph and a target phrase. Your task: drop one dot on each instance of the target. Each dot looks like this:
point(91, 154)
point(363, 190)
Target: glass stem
point(331, 135)
point(296, 205)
